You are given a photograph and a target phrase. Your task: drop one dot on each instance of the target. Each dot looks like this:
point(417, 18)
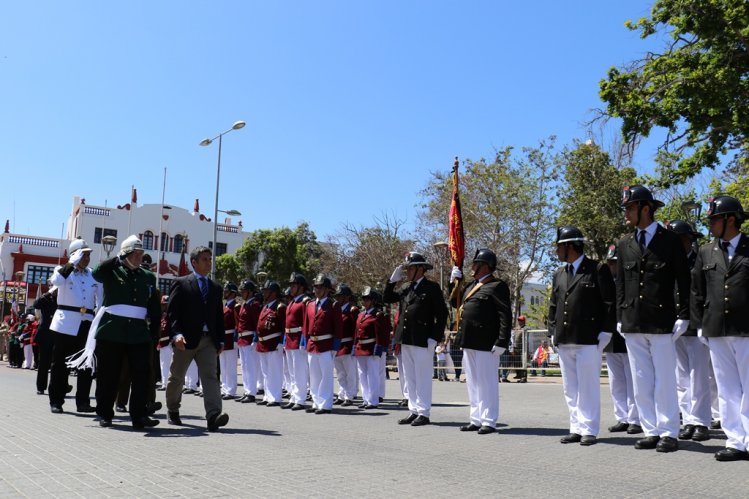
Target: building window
point(148, 240)
point(165, 285)
point(100, 232)
point(220, 249)
point(38, 274)
point(178, 243)
point(164, 244)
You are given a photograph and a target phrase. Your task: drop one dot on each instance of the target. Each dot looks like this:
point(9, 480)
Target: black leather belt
point(82, 310)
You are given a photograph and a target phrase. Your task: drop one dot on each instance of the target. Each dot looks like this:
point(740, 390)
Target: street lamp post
point(205, 142)
point(108, 243)
point(440, 246)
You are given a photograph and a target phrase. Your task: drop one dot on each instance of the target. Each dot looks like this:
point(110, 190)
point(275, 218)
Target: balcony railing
point(92, 210)
point(227, 228)
point(34, 241)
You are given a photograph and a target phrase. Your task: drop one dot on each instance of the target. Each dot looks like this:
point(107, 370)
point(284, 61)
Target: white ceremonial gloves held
point(703, 340)
point(456, 274)
point(498, 351)
point(397, 274)
point(76, 257)
point(603, 339)
point(680, 327)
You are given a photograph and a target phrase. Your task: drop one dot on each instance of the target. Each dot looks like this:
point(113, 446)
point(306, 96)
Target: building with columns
point(168, 233)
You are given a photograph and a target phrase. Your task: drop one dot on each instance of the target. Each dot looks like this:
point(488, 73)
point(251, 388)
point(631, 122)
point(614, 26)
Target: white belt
point(321, 337)
point(269, 336)
point(367, 342)
point(294, 329)
point(230, 331)
point(349, 338)
point(164, 338)
point(246, 333)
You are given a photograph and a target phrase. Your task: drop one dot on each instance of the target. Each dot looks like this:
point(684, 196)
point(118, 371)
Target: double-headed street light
point(207, 142)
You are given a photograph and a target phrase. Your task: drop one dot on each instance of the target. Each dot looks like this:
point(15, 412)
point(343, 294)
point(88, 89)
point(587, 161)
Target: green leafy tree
point(229, 268)
point(591, 195)
point(696, 88)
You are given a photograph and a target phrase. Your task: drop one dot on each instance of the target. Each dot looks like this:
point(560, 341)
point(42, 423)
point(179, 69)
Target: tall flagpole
point(161, 220)
point(456, 240)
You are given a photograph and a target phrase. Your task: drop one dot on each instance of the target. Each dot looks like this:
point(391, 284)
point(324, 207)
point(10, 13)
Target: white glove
point(456, 274)
point(703, 340)
point(603, 340)
point(497, 351)
point(397, 274)
point(680, 327)
point(76, 257)
point(619, 327)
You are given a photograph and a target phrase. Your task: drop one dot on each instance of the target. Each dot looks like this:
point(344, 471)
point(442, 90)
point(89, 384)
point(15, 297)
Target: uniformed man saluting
point(422, 315)
point(483, 335)
point(720, 313)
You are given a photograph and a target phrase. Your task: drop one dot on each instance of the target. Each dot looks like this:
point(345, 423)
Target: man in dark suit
point(652, 263)
point(422, 315)
point(720, 313)
point(197, 333)
point(483, 335)
point(581, 321)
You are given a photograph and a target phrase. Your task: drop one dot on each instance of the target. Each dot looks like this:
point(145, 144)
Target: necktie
point(317, 306)
point(724, 245)
point(641, 240)
point(570, 270)
point(203, 289)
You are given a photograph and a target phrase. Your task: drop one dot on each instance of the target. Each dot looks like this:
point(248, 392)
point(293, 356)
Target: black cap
point(569, 234)
point(322, 280)
point(272, 286)
point(297, 278)
point(726, 205)
point(248, 285)
point(684, 229)
point(230, 286)
point(639, 194)
point(415, 259)
point(371, 294)
point(486, 256)
point(343, 290)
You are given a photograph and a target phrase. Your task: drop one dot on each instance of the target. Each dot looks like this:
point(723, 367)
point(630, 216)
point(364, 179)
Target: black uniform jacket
point(422, 312)
point(720, 292)
point(645, 283)
point(188, 313)
point(583, 305)
point(486, 319)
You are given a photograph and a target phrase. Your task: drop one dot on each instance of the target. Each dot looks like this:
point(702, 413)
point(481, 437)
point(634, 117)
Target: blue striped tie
point(203, 289)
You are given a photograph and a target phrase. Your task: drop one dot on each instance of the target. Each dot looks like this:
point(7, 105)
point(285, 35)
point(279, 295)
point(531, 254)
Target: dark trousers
point(15, 355)
point(43, 364)
point(123, 390)
point(63, 346)
point(110, 356)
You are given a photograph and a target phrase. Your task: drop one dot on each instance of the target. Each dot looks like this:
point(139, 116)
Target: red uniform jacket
point(164, 329)
point(247, 317)
point(270, 326)
point(372, 328)
point(349, 328)
point(322, 326)
point(230, 325)
point(30, 338)
point(294, 322)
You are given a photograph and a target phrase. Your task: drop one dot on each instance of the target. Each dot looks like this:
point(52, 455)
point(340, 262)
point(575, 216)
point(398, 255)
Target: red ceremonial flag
point(456, 239)
point(182, 269)
point(134, 197)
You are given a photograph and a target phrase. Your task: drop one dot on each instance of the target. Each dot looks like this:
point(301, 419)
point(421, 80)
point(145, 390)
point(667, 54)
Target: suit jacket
point(645, 283)
point(325, 321)
point(188, 313)
point(373, 329)
point(422, 313)
point(486, 319)
point(582, 306)
point(720, 292)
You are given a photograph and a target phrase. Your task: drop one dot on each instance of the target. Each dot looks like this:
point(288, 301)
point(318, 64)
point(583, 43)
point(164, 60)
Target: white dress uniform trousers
point(28, 356)
point(288, 378)
point(346, 372)
point(250, 368)
point(714, 409)
point(299, 373)
point(321, 379)
point(165, 362)
point(622, 391)
point(271, 365)
point(730, 356)
point(581, 373)
point(369, 377)
point(401, 375)
point(418, 366)
point(383, 375)
point(191, 376)
point(482, 381)
point(228, 365)
point(692, 380)
point(652, 359)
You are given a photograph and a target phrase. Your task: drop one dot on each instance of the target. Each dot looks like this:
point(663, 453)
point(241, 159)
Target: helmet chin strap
point(725, 224)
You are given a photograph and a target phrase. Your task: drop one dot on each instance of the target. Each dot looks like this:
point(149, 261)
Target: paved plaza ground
point(269, 452)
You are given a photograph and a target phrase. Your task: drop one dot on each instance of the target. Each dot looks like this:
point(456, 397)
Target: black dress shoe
point(687, 432)
point(715, 425)
point(420, 421)
point(634, 429)
point(647, 443)
point(261, 392)
point(69, 389)
point(152, 407)
point(380, 399)
point(173, 418)
point(323, 411)
point(227, 396)
point(362, 405)
point(288, 405)
point(408, 420)
point(105, 423)
point(249, 399)
point(217, 420)
point(310, 410)
point(120, 408)
point(588, 440)
point(309, 398)
point(240, 399)
point(572, 438)
point(403, 403)
point(469, 427)
point(730, 454)
point(298, 407)
point(486, 429)
point(620, 426)
point(273, 404)
point(263, 402)
point(338, 402)
point(145, 422)
point(85, 408)
point(701, 433)
point(188, 391)
point(667, 444)
point(347, 403)
point(40, 392)
point(55, 409)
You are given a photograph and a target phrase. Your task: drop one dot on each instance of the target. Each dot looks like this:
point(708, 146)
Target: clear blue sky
point(348, 104)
